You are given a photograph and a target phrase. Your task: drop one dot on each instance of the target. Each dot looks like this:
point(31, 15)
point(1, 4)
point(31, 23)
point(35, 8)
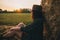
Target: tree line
point(24, 10)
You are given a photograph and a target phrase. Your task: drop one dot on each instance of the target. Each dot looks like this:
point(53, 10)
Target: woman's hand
point(15, 29)
point(18, 27)
point(21, 24)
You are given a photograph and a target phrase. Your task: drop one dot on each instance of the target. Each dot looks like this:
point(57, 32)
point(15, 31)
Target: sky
point(16, 4)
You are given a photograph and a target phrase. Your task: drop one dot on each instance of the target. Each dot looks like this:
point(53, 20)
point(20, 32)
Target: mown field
point(15, 18)
point(8, 20)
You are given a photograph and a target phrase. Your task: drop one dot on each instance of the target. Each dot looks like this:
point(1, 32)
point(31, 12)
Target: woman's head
point(36, 11)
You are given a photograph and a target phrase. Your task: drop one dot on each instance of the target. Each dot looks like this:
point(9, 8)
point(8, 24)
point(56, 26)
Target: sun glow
point(18, 11)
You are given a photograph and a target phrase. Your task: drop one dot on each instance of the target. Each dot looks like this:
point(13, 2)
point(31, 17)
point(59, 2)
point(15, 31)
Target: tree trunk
point(52, 14)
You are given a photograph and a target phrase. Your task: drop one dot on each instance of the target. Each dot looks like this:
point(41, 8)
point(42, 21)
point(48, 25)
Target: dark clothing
point(34, 31)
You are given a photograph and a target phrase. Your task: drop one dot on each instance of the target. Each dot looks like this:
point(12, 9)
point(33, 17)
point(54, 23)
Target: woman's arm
point(37, 25)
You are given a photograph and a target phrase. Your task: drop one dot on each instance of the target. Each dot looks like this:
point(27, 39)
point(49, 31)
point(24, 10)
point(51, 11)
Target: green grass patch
point(15, 18)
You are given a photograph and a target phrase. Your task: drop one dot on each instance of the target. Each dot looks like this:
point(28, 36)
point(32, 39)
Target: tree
point(0, 10)
point(25, 10)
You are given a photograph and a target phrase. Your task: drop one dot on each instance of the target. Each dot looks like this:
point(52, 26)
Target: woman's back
point(34, 31)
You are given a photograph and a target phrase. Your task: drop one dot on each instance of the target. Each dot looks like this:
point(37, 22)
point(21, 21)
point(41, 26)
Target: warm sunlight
point(18, 11)
point(16, 4)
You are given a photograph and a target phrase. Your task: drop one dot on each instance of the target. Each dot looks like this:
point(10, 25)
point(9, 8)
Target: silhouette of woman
point(34, 31)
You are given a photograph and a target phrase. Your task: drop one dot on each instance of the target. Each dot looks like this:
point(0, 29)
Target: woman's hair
point(37, 11)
